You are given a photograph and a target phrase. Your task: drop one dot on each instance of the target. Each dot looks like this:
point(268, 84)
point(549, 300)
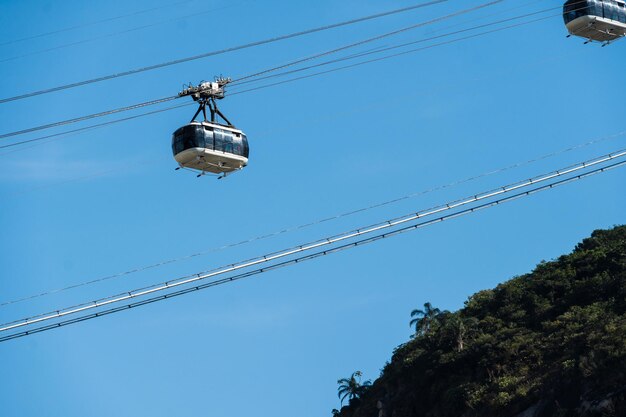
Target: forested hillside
point(548, 343)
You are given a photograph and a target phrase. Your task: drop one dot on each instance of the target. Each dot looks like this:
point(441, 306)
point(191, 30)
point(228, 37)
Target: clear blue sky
point(108, 200)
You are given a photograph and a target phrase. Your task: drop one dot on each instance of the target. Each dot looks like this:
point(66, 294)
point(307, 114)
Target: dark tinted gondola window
point(209, 142)
point(228, 142)
point(177, 142)
point(218, 135)
point(609, 10)
point(595, 8)
point(244, 142)
point(190, 136)
point(615, 11)
point(223, 140)
point(194, 137)
point(621, 12)
point(237, 145)
point(574, 9)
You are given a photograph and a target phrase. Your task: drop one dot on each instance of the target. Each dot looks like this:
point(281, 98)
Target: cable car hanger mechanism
point(205, 94)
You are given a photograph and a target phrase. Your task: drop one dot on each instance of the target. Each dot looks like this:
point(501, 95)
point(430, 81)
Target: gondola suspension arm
point(206, 93)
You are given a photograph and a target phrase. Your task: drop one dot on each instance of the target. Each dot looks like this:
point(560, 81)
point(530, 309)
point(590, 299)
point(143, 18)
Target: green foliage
point(554, 339)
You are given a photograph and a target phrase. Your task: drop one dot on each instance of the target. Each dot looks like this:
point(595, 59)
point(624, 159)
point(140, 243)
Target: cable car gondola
point(596, 20)
point(209, 146)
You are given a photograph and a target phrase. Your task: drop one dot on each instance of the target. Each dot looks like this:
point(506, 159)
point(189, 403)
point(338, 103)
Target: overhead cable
point(81, 129)
point(153, 102)
point(369, 61)
point(221, 51)
point(309, 246)
point(314, 255)
point(305, 76)
point(368, 40)
point(389, 48)
point(109, 19)
point(280, 82)
point(56, 124)
point(88, 117)
point(315, 222)
point(105, 113)
point(109, 35)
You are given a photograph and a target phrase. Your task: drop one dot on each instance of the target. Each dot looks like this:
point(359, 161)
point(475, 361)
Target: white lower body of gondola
point(597, 28)
point(208, 160)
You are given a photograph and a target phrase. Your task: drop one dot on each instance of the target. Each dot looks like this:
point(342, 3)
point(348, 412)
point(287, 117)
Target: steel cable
point(309, 246)
point(153, 102)
point(389, 48)
point(368, 40)
point(387, 56)
point(109, 35)
point(377, 50)
point(88, 117)
point(109, 19)
point(219, 52)
point(316, 222)
point(321, 253)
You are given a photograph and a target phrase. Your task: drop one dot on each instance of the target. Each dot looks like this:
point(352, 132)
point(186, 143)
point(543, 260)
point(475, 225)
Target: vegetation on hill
point(548, 343)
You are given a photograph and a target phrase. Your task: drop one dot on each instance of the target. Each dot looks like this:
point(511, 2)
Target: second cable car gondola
point(209, 146)
point(596, 20)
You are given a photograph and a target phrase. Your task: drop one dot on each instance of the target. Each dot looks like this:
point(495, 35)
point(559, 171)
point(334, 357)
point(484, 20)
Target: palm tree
point(424, 319)
point(352, 387)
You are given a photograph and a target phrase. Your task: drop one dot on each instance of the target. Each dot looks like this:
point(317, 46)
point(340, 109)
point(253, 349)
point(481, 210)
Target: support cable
point(309, 246)
point(369, 40)
point(158, 101)
point(221, 51)
point(318, 254)
point(244, 80)
point(81, 129)
point(88, 117)
point(345, 47)
point(108, 19)
point(316, 222)
point(389, 48)
point(386, 57)
point(110, 35)
point(379, 50)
